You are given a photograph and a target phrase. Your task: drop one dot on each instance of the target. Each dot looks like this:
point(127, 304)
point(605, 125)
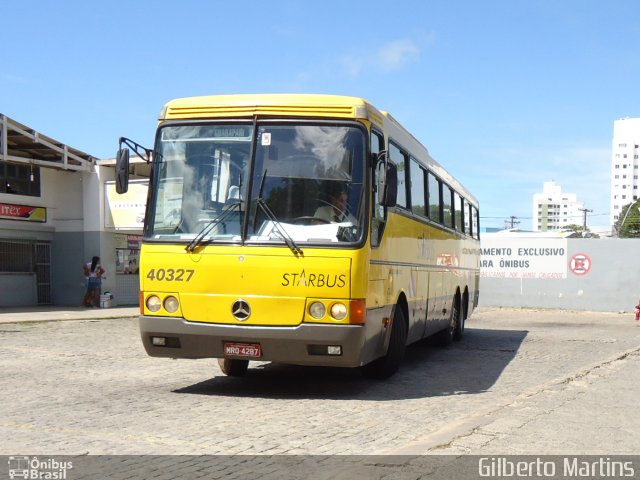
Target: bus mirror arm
point(122, 161)
point(144, 153)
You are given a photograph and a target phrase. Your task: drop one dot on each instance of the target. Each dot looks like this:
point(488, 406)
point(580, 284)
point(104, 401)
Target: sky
point(505, 94)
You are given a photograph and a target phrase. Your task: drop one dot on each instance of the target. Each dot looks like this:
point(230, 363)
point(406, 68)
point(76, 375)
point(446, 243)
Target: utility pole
point(584, 221)
point(511, 222)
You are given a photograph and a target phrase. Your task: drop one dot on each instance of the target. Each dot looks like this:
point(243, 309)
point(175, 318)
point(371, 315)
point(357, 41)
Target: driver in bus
point(335, 211)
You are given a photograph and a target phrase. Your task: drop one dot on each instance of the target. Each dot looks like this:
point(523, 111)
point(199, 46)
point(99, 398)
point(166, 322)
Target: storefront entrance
point(127, 291)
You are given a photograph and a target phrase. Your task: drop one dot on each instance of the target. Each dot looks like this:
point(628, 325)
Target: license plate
point(243, 349)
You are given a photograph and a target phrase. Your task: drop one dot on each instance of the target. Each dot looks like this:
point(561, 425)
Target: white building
point(624, 164)
point(554, 210)
point(57, 210)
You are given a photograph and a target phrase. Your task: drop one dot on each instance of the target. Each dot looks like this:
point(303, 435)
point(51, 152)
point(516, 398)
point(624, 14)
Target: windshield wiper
point(283, 232)
point(226, 211)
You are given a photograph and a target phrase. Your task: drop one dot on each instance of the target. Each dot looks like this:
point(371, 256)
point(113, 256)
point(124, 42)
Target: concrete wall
point(581, 274)
point(18, 290)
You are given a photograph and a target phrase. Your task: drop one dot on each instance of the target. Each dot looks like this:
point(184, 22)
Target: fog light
point(159, 341)
point(171, 304)
point(334, 350)
point(338, 311)
point(317, 310)
point(153, 303)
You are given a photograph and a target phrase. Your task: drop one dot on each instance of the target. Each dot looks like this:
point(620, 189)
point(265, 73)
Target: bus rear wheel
point(454, 330)
point(389, 364)
point(232, 367)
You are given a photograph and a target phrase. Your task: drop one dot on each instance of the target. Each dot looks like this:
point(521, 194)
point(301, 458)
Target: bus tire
point(448, 335)
point(462, 318)
point(232, 367)
point(389, 363)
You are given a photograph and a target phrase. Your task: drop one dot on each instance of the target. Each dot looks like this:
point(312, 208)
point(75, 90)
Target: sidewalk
point(50, 313)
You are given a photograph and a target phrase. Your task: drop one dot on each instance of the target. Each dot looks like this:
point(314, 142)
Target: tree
point(628, 224)
point(579, 231)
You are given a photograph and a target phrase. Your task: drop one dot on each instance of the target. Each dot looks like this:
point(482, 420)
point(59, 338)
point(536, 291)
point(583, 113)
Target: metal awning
point(23, 145)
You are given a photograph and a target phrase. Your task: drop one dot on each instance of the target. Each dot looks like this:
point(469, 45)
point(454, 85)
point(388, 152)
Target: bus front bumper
point(304, 344)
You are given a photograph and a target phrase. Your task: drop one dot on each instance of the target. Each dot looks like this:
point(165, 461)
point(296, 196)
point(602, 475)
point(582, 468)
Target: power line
point(568, 216)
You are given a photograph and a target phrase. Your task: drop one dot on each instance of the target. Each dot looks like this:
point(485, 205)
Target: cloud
point(353, 65)
point(392, 56)
point(397, 54)
point(15, 79)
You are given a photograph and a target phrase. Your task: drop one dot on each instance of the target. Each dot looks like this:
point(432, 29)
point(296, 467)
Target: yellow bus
point(299, 229)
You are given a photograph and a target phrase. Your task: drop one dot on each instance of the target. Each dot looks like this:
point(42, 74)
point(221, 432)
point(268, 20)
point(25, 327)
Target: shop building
point(58, 209)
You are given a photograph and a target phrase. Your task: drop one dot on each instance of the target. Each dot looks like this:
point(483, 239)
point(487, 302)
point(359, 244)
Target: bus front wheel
point(232, 367)
point(389, 364)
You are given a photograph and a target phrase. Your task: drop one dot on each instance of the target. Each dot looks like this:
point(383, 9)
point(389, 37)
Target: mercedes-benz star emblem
point(241, 310)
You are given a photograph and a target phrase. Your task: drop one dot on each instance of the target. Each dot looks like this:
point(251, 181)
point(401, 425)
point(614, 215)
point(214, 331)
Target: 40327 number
point(170, 274)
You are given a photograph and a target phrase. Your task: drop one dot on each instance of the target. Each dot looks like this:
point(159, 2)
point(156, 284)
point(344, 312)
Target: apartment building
point(624, 164)
point(554, 209)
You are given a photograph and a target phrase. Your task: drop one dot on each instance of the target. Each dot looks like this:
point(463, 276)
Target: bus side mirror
point(390, 186)
point(122, 170)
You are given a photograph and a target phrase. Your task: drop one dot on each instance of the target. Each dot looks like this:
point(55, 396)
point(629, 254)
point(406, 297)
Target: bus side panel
point(427, 265)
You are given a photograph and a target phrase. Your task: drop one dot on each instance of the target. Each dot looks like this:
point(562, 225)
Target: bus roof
point(266, 104)
point(299, 104)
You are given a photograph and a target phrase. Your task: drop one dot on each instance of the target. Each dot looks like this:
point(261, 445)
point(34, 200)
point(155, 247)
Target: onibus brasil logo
point(33, 468)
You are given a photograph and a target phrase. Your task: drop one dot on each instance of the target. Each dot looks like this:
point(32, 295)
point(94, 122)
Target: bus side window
point(458, 212)
point(398, 157)
point(447, 206)
point(417, 188)
point(379, 213)
point(475, 222)
point(435, 198)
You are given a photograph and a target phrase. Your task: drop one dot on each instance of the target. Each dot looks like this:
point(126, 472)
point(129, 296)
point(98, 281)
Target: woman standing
point(93, 271)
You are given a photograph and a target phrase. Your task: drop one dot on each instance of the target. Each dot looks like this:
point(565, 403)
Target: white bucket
point(105, 300)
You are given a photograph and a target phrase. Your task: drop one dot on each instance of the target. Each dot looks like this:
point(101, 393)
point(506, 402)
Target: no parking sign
point(580, 264)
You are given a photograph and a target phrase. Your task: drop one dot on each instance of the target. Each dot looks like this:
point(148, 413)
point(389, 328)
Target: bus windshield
point(266, 182)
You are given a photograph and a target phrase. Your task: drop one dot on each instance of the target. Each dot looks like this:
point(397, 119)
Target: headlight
point(317, 310)
point(338, 311)
point(154, 303)
point(171, 304)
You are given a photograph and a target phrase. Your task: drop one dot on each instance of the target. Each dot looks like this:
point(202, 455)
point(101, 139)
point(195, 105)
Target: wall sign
point(525, 257)
point(580, 264)
point(125, 211)
point(27, 213)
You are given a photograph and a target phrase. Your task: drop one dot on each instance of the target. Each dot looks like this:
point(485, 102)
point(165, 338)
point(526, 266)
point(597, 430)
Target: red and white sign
point(580, 264)
point(23, 212)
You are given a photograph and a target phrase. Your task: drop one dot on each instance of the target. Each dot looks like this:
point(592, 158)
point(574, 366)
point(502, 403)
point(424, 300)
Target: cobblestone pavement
point(520, 382)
